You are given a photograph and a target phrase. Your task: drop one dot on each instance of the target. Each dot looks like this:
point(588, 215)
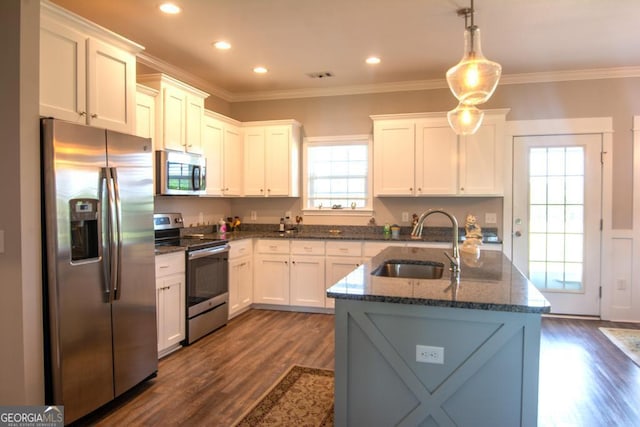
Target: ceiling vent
point(320, 75)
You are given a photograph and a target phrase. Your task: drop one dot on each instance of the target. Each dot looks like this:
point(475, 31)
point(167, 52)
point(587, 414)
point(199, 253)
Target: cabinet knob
point(82, 113)
point(261, 190)
point(420, 189)
point(94, 116)
point(268, 190)
point(410, 188)
point(461, 188)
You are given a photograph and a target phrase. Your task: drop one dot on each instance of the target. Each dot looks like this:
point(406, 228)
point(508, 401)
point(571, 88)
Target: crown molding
point(181, 74)
point(408, 86)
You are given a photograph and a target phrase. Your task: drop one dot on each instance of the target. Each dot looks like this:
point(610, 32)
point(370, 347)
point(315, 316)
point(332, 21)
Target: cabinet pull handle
point(164, 266)
point(273, 248)
point(94, 116)
point(82, 113)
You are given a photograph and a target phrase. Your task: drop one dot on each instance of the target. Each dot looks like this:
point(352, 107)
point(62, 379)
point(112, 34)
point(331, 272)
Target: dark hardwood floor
point(584, 379)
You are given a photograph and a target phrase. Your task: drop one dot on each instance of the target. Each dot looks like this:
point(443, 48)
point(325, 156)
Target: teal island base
point(489, 374)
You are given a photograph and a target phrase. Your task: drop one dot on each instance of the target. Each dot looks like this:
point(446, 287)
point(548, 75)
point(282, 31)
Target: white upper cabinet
point(420, 155)
point(481, 158)
point(179, 113)
point(87, 73)
point(222, 146)
point(272, 158)
point(146, 112)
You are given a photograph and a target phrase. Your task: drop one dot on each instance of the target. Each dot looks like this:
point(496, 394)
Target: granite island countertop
point(488, 282)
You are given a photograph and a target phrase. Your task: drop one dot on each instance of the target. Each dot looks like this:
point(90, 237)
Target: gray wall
point(21, 360)
point(336, 115)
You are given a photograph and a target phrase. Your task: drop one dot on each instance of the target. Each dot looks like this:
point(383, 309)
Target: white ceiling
point(418, 40)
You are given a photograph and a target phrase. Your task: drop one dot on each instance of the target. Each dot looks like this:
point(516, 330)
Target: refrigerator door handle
point(117, 235)
point(112, 234)
point(104, 192)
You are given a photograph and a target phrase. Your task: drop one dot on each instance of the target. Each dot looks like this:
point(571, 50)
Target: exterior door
point(557, 191)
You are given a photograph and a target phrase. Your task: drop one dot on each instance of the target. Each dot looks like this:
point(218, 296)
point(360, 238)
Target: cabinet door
point(271, 279)
point(233, 161)
point(307, 286)
point(194, 121)
point(240, 285)
point(145, 115)
point(254, 152)
point(111, 79)
point(173, 118)
point(62, 72)
point(436, 160)
point(336, 269)
point(212, 145)
point(277, 161)
point(393, 158)
point(481, 164)
point(171, 311)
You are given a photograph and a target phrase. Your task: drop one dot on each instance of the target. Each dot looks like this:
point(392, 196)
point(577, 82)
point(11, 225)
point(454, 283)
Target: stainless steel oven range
point(207, 290)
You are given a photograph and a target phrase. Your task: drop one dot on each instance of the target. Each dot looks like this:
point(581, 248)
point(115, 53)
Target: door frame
point(544, 127)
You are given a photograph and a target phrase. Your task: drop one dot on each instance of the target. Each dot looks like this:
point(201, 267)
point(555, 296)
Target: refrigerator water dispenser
point(83, 216)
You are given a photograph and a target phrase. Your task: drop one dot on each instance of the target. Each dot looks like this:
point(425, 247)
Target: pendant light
point(465, 119)
point(474, 79)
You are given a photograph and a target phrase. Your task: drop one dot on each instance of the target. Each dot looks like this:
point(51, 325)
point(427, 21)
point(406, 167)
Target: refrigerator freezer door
point(134, 306)
point(79, 314)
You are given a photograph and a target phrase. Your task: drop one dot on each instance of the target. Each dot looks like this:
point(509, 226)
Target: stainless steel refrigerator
point(100, 306)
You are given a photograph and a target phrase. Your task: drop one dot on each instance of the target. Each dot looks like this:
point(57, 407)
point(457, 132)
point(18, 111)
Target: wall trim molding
point(408, 86)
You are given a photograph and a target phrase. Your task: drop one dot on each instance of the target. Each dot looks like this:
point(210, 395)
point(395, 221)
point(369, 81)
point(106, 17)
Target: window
point(336, 174)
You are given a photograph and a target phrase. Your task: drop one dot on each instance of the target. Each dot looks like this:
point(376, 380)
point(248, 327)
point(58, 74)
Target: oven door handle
point(201, 253)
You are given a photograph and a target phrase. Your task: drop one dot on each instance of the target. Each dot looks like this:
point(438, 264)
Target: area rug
point(627, 340)
point(301, 397)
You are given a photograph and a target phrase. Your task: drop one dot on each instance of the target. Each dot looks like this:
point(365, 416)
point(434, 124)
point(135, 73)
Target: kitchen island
point(481, 331)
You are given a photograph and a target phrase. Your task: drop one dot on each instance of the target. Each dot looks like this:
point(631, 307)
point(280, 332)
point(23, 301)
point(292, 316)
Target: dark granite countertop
point(488, 282)
point(162, 250)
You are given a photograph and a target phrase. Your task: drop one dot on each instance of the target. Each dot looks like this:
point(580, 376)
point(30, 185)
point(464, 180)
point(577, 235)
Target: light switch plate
point(490, 218)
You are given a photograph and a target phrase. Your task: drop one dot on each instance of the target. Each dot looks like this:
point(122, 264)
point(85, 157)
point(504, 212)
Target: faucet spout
point(454, 258)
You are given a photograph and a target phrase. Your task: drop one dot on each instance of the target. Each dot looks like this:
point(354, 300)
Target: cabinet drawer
point(307, 247)
point(344, 248)
point(240, 248)
point(372, 249)
point(264, 246)
point(170, 264)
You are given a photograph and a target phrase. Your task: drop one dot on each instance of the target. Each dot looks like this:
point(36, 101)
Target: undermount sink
point(410, 269)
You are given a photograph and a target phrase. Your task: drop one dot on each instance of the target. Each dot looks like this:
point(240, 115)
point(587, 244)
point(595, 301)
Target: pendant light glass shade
point(465, 119)
point(474, 79)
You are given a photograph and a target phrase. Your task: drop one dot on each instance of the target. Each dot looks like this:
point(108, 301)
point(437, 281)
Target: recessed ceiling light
point(373, 60)
point(260, 70)
point(170, 8)
point(222, 45)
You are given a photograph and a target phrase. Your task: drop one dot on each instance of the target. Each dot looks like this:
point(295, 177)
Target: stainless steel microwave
point(179, 173)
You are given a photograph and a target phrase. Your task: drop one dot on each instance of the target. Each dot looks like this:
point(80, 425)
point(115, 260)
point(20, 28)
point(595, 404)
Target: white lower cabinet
point(170, 301)
point(240, 276)
point(307, 285)
point(342, 258)
point(271, 272)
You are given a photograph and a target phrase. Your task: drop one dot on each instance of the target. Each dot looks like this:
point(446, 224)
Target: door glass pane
point(556, 218)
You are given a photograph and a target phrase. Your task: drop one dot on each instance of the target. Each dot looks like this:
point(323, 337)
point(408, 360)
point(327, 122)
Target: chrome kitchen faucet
point(417, 233)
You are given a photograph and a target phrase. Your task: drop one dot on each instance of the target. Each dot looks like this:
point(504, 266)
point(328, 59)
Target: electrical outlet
point(405, 216)
point(254, 215)
point(490, 218)
point(429, 354)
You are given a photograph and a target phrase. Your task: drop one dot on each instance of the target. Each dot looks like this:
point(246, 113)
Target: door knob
point(518, 233)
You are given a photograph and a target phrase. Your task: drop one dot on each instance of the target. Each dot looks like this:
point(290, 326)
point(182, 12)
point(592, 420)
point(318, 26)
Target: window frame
point(359, 139)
